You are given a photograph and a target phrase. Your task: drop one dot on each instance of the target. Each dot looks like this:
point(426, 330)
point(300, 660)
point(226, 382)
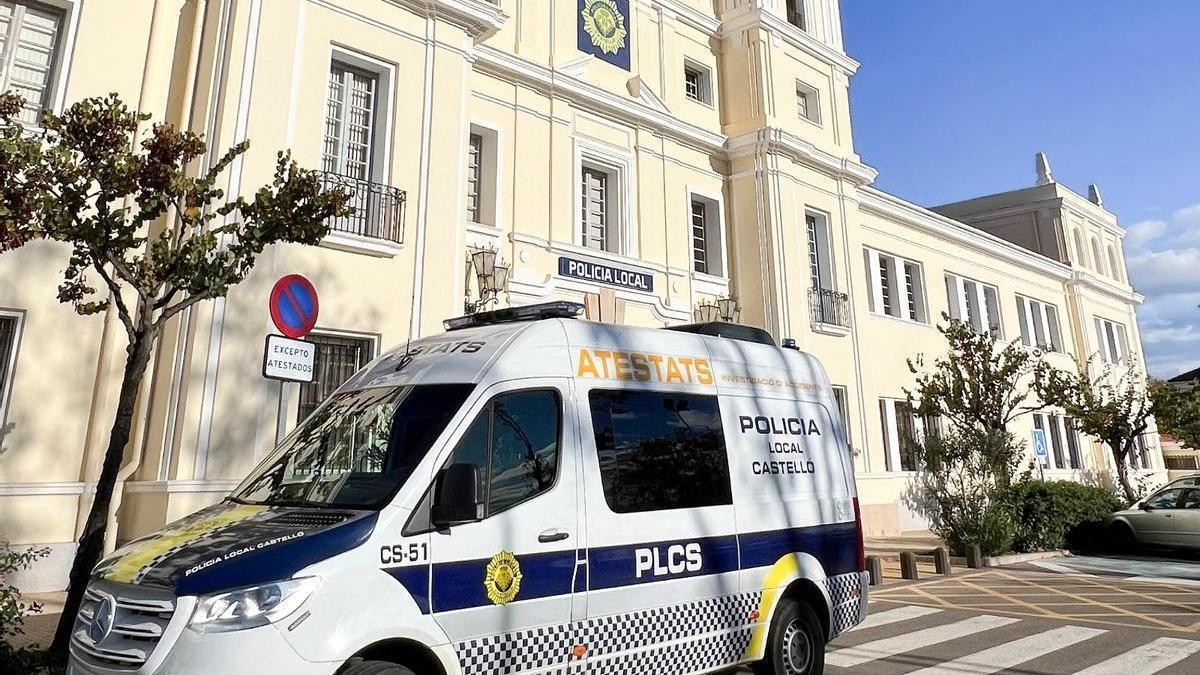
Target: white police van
point(527, 493)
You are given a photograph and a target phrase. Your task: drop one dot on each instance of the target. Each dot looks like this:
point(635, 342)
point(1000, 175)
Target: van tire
point(375, 668)
point(796, 645)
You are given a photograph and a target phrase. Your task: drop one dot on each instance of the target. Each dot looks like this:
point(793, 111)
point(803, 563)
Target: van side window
point(660, 451)
point(514, 442)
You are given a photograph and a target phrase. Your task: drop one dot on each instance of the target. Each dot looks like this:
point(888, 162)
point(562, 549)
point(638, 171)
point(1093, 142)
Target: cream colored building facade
point(708, 153)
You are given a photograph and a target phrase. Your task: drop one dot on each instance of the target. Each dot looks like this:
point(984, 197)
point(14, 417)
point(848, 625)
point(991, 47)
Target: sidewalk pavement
point(39, 628)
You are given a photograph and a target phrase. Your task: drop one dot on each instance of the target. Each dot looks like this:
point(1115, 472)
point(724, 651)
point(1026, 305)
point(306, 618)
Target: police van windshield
point(357, 449)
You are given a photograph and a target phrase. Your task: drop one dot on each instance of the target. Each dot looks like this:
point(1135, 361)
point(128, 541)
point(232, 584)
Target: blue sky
point(954, 99)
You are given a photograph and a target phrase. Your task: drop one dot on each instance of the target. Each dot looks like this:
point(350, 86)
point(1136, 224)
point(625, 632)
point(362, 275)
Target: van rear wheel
point(375, 668)
point(796, 645)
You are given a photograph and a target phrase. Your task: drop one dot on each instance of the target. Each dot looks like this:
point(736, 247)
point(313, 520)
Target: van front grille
point(132, 620)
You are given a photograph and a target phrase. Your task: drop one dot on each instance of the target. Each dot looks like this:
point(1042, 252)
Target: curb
point(1016, 558)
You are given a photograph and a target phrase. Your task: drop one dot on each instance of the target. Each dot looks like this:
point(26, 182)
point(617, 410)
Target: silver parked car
point(1168, 518)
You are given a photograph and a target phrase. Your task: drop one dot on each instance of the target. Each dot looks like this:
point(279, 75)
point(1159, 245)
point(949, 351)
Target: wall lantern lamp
point(721, 309)
point(491, 275)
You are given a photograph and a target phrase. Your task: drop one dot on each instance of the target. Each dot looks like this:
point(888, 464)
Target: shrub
point(13, 611)
point(956, 489)
point(1051, 515)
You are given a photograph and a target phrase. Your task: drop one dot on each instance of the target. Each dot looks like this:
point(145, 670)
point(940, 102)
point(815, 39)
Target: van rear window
point(660, 451)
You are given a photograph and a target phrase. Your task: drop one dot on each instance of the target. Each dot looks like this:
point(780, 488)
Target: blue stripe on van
point(415, 580)
point(835, 546)
point(616, 566)
point(459, 585)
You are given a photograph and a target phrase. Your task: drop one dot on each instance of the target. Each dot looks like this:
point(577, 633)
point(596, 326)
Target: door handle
point(553, 535)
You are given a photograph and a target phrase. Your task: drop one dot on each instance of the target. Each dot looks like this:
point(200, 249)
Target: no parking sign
point(294, 309)
point(294, 306)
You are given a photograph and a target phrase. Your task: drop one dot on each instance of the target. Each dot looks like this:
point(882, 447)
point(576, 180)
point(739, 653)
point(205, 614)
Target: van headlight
point(252, 606)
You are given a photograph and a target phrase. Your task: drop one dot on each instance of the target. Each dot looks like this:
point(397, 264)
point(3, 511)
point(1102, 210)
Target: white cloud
point(1164, 264)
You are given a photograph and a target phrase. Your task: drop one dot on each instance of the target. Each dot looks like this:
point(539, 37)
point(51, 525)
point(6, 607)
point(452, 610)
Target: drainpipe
point(139, 430)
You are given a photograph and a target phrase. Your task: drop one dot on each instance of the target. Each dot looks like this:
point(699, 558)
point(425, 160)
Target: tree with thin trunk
point(978, 387)
point(1110, 402)
point(150, 235)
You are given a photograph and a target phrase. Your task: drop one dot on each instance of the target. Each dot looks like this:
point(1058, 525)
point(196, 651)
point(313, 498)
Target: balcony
point(830, 311)
point(378, 216)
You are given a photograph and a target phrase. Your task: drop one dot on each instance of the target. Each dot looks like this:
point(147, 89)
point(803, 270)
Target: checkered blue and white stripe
point(697, 635)
point(847, 602)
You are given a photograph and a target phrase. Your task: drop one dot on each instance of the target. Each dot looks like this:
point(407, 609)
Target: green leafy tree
point(150, 234)
point(14, 611)
point(978, 387)
point(1177, 411)
point(1107, 402)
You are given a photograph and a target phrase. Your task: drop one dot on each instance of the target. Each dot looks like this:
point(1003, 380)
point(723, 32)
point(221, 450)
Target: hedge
point(1052, 515)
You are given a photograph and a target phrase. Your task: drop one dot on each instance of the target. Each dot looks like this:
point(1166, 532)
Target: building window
point(1182, 463)
point(337, 359)
point(697, 82)
point(975, 304)
point(660, 451)
point(482, 175)
point(1139, 456)
point(841, 397)
point(1113, 340)
point(30, 36)
point(1080, 254)
point(820, 259)
point(904, 433)
point(897, 286)
point(1114, 264)
point(795, 14)
point(1062, 441)
point(1039, 324)
point(474, 176)
point(350, 121)
point(1097, 259)
point(600, 208)
point(514, 445)
point(10, 331)
point(808, 103)
point(705, 220)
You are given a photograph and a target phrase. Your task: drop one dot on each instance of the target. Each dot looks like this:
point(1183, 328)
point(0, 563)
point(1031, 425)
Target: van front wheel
point(796, 645)
point(375, 668)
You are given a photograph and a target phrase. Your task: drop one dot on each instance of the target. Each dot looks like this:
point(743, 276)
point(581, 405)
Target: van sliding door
point(663, 566)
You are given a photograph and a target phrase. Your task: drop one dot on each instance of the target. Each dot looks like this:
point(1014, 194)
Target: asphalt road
point(1082, 616)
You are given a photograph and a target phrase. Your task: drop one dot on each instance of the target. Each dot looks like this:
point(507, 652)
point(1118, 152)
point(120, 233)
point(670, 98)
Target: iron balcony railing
point(829, 307)
point(378, 208)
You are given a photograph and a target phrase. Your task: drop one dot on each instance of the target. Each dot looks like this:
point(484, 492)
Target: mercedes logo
point(103, 620)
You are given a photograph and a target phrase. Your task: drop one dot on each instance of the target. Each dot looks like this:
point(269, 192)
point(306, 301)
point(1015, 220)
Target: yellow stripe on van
point(127, 568)
point(782, 573)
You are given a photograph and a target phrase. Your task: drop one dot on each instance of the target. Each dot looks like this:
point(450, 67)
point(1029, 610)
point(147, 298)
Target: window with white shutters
point(1039, 324)
point(897, 286)
point(474, 177)
point(1113, 340)
point(699, 236)
point(9, 330)
point(974, 303)
point(904, 432)
point(29, 43)
point(597, 217)
point(350, 122)
point(820, 263)
point(1062, 441)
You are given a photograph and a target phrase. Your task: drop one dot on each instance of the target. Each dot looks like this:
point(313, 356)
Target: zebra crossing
point(918, 640)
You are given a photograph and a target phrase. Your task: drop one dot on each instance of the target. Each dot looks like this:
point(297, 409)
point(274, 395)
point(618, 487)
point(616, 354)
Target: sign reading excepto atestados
point(294, 306)
point(289, 360)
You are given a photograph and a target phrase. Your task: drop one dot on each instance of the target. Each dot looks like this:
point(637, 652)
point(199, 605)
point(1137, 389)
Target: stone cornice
point(779, 141)
point(892, 207)
point(1101, 285)
point(622, 107)
point(734, 23)
point(481, 18)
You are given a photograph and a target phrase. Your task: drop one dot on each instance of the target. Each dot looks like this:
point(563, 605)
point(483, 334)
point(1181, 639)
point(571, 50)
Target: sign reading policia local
point(604, 30)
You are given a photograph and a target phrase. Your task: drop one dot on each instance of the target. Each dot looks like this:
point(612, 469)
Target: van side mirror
point(457, 496)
